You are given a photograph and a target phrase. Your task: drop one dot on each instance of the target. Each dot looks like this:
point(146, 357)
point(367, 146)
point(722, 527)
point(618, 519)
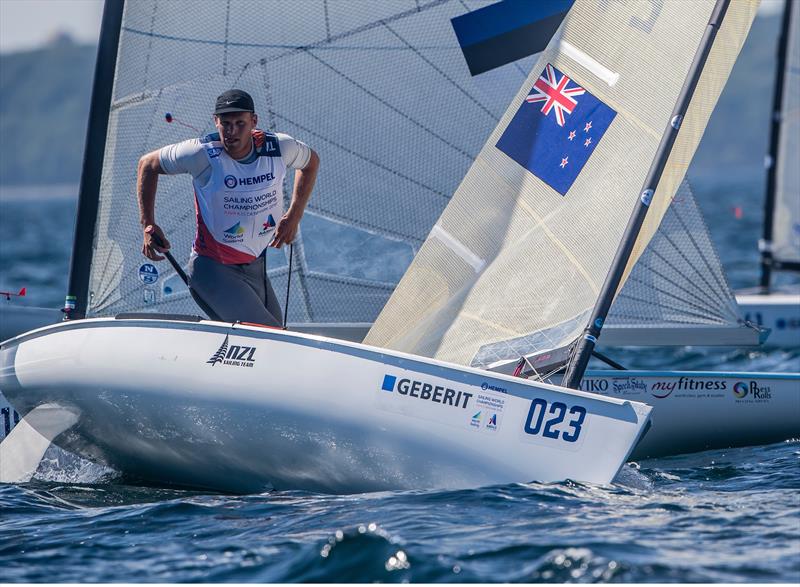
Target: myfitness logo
point(231, 181)
point(426, 391)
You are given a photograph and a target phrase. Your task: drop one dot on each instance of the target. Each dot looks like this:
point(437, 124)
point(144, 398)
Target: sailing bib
point(240, 204)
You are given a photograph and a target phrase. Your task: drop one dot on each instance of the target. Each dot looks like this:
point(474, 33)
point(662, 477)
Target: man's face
point(234, 130)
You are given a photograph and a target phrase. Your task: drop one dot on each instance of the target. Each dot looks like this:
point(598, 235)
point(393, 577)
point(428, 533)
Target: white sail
point(514, 264)
point(678, 292)
point(379, 89)
point(786, 214)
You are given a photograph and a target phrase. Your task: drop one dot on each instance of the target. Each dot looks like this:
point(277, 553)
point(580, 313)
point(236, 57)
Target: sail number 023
point(544, 419)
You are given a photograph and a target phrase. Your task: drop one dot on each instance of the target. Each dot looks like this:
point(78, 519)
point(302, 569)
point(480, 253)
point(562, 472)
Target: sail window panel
point(321, 298)
point(786, 217)
point(354, 252)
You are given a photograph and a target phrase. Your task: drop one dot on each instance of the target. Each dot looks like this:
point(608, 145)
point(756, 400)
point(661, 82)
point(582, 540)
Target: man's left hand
point(285, 231)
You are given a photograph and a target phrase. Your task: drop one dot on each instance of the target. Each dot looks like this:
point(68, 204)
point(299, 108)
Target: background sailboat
point(772, 305)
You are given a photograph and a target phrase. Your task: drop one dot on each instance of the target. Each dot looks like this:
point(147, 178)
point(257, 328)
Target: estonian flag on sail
point(509, 30)
point(556, 129)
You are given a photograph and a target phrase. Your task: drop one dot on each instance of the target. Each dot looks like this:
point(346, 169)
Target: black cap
point(234, 101)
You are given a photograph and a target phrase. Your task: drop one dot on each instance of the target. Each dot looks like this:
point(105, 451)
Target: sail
point(379, 89)
point(678, 293)
point(786, 212)
point(515, 263)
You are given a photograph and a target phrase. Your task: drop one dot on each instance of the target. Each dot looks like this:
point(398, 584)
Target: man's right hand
point(154, 242)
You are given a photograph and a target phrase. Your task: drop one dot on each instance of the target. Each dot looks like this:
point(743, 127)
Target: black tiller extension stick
point(179, 270)
point(288, 283)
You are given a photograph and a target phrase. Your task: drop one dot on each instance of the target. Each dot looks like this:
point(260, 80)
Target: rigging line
point(301, 271)
point(374, 162)
point(419, 54)
point(391, 107)
point(288, 285)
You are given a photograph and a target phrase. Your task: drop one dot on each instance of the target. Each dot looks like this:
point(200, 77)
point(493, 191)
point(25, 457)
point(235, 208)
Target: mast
point(89, 192)
point(585, 346)
point(765, 244)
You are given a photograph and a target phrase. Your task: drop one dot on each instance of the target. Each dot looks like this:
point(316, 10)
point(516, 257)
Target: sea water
point(730, 515)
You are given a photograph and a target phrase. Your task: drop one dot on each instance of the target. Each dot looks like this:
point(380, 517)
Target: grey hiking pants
point(240, 293)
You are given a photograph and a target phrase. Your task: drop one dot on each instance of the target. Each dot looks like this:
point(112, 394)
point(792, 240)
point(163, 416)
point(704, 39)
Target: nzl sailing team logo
point(556, 129)
point(234, 354)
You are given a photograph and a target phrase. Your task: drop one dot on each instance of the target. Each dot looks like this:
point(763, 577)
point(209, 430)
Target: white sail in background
point(786, 214)
point(679, 283)
point(379, 89)
point(514, 259)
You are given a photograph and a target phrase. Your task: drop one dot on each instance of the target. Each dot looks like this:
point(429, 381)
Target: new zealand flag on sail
point(556, 129)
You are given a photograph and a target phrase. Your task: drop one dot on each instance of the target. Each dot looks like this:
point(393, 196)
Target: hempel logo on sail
point(236, 355)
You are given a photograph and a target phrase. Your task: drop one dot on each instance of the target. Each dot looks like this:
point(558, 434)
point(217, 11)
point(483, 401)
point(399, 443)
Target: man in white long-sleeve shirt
point(237, 175)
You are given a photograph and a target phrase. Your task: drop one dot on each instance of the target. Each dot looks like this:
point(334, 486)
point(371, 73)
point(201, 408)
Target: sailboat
point(175, 399)
point(447, 305)
point(114, 291)
point(776, 307)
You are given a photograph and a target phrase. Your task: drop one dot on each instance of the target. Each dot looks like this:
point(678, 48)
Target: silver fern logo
point(219, 356)
point(233, 354)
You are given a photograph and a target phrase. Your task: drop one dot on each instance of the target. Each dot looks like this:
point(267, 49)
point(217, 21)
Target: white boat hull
point(241, 408)
point(695, 411)
point(780, 312)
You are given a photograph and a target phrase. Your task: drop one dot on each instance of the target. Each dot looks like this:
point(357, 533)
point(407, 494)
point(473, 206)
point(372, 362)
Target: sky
point(26, 24)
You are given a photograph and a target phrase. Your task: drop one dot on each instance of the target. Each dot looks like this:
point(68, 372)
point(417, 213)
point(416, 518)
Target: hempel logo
point(231, 181)
point(236, 355)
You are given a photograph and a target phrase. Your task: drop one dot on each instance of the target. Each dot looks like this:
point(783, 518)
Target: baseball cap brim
point(229, 109)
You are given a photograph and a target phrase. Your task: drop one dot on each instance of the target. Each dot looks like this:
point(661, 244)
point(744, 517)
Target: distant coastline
point(59, 191)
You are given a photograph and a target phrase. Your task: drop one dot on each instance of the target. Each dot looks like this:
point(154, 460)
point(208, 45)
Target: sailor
point(238, 175)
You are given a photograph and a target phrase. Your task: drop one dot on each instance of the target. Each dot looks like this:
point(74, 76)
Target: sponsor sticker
point(751, 392)
point(233, 355)
point(148, 274)
point(689, 387)
point(463, 406)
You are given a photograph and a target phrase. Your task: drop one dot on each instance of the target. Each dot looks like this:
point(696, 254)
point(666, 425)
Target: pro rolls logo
point(234, 355)
point(740, 390)
point(752, 392)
